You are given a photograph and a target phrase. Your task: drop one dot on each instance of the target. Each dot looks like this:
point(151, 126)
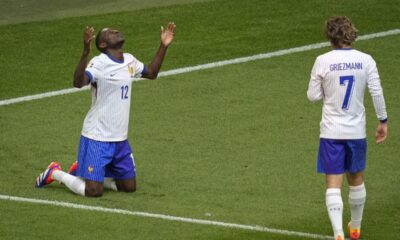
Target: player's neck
point(341, 46)
point(116, 54)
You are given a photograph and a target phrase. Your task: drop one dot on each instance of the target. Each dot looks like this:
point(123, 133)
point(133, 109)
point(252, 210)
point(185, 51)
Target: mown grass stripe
point(164, 217)
point(206, 66)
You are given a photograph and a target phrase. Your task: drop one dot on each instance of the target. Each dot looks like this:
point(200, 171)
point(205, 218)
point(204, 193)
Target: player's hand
point(167, 34)
point(88, 36)
point(381, 133)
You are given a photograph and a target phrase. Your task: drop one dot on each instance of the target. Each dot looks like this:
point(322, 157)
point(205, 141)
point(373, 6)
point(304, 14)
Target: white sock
point(75, 184)
point(334, 205)
point(109, 183)
point(357, 196)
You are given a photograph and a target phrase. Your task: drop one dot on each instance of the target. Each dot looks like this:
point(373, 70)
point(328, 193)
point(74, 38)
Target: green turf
point(40, 10)
point(206, 32)
point(128, 227)
point(238, 142)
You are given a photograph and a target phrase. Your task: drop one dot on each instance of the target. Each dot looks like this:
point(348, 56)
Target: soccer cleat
point(72, 169)
point(354, 232)
point(45, 177)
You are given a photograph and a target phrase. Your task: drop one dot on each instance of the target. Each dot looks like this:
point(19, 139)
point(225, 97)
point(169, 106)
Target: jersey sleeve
point(376, 91)
point(315, 91)
point(138, 67)
point(93, 70)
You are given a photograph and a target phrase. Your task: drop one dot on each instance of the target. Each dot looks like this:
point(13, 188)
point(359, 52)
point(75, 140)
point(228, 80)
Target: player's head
point(108, 38)
point(340, 31)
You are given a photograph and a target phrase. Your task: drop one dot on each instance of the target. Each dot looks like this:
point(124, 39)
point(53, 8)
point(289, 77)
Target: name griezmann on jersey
point(346, 66)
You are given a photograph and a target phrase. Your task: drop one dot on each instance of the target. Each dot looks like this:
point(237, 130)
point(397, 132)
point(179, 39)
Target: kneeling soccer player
point(105, 158)
point(340, 78)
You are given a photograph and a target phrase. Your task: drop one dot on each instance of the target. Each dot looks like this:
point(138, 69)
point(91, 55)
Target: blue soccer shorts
point(97, 160)
point(340, 156)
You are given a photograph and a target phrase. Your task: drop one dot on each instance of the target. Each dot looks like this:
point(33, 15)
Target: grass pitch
point(233, 144)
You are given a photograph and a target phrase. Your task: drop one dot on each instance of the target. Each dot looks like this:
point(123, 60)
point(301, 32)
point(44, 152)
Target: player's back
point(344, 75)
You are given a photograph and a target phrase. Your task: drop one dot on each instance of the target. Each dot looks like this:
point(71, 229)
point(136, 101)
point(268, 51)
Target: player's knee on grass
point(126, 185)
point(93, 189)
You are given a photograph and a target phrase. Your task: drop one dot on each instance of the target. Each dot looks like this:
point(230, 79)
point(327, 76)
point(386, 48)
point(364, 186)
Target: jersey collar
point(114, 59)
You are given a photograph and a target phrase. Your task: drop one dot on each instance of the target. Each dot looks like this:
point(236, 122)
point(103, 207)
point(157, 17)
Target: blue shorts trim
point(97, 160)
point(340, 156)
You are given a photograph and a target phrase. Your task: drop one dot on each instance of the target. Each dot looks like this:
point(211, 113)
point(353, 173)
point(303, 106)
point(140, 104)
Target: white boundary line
point(164, 217)
point(206, 66)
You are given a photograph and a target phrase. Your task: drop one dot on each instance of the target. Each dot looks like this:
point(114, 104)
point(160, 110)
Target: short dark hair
point(340, 30)
point(99, 40)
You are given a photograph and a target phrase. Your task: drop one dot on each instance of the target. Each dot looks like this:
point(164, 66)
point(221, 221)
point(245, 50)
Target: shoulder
point(324, 59)
point(362, 55)
point(130, 58)
point(367, 59)
point(99, 58)
point(97, 62)
point(327, 55)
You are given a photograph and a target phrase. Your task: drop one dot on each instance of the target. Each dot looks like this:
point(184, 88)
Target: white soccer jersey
point(340, 77)
point(111, 83)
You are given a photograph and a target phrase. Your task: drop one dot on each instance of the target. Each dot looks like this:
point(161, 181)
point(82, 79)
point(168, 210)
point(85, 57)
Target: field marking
point(205, 66)
point(164, 217)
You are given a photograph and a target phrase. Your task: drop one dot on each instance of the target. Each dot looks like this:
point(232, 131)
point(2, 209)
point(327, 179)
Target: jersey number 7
point(349, 90)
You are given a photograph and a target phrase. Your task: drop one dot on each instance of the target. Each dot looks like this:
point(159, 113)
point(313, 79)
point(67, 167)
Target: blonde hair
point(340, 30)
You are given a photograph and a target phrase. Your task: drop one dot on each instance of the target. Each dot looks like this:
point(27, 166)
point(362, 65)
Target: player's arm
point(167, 36)
point(80, 77)
point(376, 91)
point(315, 91)
point(380, 109)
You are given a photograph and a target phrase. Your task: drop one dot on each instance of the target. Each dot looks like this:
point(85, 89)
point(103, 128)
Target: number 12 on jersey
point(349, 90)
point(124, 92)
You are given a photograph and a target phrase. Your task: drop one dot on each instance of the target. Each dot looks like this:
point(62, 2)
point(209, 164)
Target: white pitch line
point(165, 217)
point(207, 66)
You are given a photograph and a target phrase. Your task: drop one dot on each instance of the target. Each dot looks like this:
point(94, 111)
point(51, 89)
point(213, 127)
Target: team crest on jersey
point(131, 71)
point(90, 169)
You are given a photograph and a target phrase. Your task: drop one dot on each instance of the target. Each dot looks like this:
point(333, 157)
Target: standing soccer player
point(340, 78)
point(105, 158)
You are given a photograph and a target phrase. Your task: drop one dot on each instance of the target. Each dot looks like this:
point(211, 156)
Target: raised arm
point(167, 36)
point(80, 78)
